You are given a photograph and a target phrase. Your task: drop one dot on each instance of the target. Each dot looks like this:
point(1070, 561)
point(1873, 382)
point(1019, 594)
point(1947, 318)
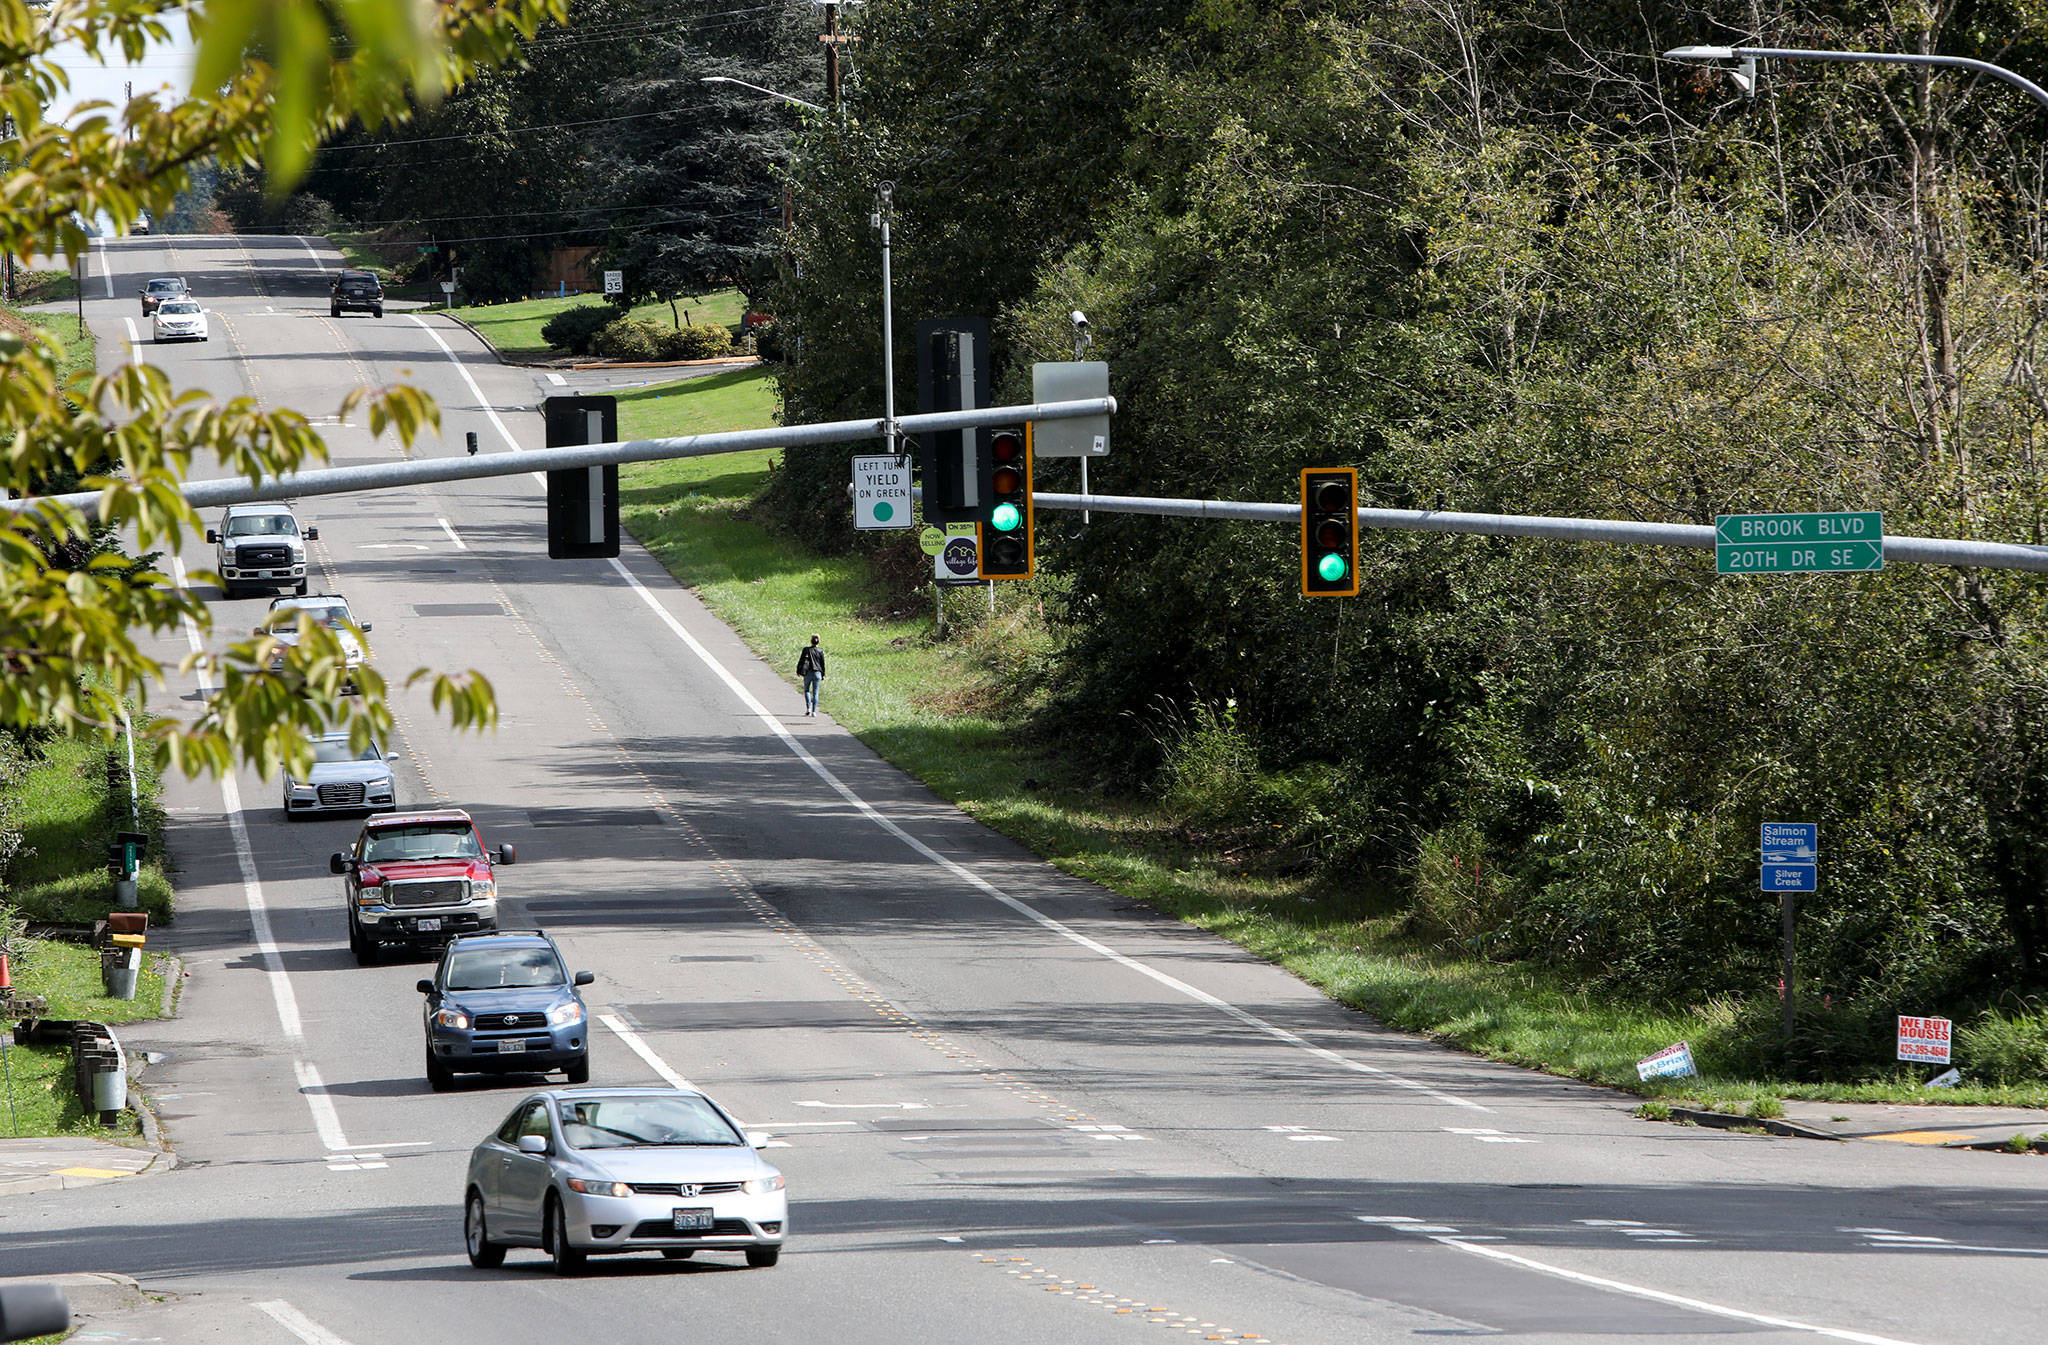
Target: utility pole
point(885, 193)
point(831, 53)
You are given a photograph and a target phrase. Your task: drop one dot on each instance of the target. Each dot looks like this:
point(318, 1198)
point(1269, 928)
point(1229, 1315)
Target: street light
point(726, 79)
point(1744, 74)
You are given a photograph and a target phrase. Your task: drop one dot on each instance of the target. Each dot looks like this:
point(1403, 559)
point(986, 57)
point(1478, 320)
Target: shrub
point(573, 329)
point(768, 342)
point(2006, 1050)
point(628, 339)
point(706, 342)
point(1767, 1109)
point(1654, 1111)
point(1460, 899)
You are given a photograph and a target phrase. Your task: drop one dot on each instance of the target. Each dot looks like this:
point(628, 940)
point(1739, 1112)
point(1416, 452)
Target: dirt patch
point(10, 321)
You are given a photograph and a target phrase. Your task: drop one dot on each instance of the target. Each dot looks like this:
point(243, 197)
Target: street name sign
point(1924, 1039)
point(1799, 543)
point(1791, 856)
point(881, 492)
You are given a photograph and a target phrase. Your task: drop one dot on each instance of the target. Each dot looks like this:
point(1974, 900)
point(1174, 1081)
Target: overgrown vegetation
point(1498, 257)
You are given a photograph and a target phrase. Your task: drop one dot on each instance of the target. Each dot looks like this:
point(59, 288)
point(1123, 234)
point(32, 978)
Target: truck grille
point(429, 892)
point(267, 557)
point(341, 796)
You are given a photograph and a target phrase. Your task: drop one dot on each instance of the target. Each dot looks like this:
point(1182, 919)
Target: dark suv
point(358, 291)
point(503, 1003)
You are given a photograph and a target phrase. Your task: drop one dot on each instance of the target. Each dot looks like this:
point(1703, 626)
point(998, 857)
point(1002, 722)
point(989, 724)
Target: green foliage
point(2019, 1143)
point(1767, 1109)
point(1654, 1111)
point(2005, 1049)
point(575, 329)
point(628, 339)
point(704, 341)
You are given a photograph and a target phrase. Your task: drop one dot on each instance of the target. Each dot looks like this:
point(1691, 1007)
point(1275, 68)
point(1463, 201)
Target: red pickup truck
point(418, 879)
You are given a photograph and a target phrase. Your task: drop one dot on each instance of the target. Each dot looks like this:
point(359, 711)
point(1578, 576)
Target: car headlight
point(297, 787)
point(383, 786)
point(369, 896)
point(564, 1014)
point(454, 1018)
point(590, 1186)
point(482, 888)
point(761, 1186)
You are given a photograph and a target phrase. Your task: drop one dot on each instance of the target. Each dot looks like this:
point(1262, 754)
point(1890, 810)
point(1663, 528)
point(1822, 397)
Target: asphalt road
point(1010, 1106)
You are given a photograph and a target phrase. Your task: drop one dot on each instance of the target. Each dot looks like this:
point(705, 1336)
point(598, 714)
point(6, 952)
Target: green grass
point(920, 703)
point(46, 1103)
point(61, 874)
point(514, 328)
point(67, 975)
point(44, 287)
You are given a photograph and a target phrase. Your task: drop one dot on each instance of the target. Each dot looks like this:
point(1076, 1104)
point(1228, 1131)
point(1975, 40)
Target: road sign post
point(1799, 543)
point(881, 492)
point(1790, 854)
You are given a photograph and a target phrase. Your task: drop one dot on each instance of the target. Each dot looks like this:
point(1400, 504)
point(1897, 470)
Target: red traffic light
point(1006, 446)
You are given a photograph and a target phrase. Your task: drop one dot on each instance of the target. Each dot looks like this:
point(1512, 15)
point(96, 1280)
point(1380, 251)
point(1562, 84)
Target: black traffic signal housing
point(952, 375)
point(1006, 549)
point(583, 502)
point(1329, 532)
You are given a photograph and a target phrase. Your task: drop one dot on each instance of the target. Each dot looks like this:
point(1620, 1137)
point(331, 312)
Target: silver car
point(342, 779)
point(580, 1172)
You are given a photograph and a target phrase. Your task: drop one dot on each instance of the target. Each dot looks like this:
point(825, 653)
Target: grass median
point(919, 703)
point(513, 329)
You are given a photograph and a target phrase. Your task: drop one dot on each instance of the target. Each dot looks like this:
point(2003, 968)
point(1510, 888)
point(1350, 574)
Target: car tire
point(300, 589)
point(334, 310)
point(364, 948)
point(677, 1253)
point(439, 1077)
point(567, 1260)
point(378, 311)
point(483, 1253)
point(760, 1258)
point(580, 1071)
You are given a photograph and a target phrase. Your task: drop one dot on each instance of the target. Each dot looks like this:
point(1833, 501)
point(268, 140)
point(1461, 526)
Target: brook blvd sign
point(1798, 543)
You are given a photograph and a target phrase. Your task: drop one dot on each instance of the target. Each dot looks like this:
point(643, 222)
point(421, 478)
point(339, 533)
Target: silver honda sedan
point(581, 1172)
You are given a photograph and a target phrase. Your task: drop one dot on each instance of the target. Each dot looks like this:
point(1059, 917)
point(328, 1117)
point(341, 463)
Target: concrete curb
point(173, 968)
point(737, 361)
point(1727, 1121)
point(91, 1290)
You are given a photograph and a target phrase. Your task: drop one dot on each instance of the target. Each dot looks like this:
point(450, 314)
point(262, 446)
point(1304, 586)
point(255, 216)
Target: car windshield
point(178, 307)
point(337, 749)
point(644, 1122)
point(501, 968)
point(263, 525)
point(333, 615)
point(428, 840)
point(166, 287)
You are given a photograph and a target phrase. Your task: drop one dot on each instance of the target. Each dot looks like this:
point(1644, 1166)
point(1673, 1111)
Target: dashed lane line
point(298, 1323)
point(976, 881)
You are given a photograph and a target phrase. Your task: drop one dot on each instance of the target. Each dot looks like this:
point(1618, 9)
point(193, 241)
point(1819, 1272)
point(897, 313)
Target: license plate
point(693, 1221)
point(511, 1047)
point(430, 925)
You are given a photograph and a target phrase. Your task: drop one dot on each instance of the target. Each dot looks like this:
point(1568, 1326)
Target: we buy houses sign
point(1924, 1039)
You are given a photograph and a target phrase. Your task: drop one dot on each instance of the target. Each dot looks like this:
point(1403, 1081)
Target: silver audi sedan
point(581, 1172)
point(342, 779)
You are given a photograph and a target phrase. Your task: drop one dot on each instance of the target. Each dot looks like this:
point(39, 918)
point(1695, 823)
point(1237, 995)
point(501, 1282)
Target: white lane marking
point(557, 379)
point(394, 1144)
point(134, 341)
point(392, 546)
point(1659, 1296)
point(449, 528)
point(298, 1323)
point(643, 1050)
point(326, 1121)
point(307, 244)
point(106, 271)
point(1386, 1218)
point(870, 1106)
point(1031, 913)
point(1613, 1223)
point(475, 391)
point(1488, 1136)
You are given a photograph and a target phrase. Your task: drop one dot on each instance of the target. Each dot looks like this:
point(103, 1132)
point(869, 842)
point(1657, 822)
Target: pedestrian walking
point(810, 666)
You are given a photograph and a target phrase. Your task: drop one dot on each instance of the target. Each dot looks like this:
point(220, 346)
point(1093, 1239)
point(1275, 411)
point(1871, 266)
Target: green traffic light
point(1006, 517)
point(1332, 568)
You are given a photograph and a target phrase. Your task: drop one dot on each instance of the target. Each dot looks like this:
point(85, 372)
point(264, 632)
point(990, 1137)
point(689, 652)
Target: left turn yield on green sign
point(881, 492)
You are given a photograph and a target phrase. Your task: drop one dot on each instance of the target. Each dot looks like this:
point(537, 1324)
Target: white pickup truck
point(259, 546)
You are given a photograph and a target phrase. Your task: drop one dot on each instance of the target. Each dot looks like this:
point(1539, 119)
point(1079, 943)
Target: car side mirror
point(364, 628)
point(312, 534)
point(507, 855)
point(337, 862)
point(758, 1138)
point(424, 986)
point(212, 536)
point(391, 756)
point(533, 1144)
point(586, 978)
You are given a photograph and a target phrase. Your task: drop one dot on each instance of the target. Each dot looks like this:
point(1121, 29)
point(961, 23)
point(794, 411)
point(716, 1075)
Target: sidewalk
point(1902, 1123)
point(67, 1161)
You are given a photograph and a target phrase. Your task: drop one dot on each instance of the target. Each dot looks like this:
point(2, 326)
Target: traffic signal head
point(1006, 543)
point(1329, 532)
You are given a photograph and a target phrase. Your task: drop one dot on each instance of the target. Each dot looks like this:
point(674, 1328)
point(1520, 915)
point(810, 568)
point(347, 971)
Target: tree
point(273, 76)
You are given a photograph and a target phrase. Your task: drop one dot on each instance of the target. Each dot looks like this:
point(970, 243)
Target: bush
point(628, 339)
point(768, 342)
point(2003, 1050)
point(573, 329)
point(706, 342)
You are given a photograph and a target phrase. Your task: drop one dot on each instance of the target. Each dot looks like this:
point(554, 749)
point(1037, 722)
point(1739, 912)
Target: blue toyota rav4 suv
point(504, 1003)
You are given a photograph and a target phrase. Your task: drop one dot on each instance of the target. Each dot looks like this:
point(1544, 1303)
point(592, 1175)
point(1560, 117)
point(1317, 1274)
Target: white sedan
point(179, 320)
